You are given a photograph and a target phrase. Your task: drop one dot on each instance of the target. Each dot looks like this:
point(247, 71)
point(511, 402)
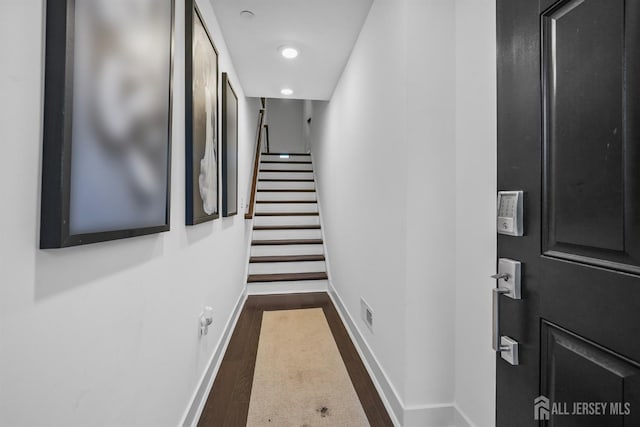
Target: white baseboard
point(439, 415)
point(445, 415)
point(430, 415)
point(461, 419)
point(384, 387)
point(199, 398)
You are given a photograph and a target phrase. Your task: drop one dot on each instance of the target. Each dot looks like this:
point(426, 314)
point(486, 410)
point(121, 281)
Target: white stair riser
point(262, 196)
point(284, 185)
point(291, 159)
point(287, 267)
point(286, 234)
point(286, 220)
point(286, 175)
point(287, 250)
point(286, 207)
point(287, 166)
point(298, 286)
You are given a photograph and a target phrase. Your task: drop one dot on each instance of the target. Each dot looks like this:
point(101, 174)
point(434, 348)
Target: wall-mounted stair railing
point(256, 163)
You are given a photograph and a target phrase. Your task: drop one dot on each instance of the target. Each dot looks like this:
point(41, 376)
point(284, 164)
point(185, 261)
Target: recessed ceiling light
point(289, 52)
point(286, 91)
point(247, 14)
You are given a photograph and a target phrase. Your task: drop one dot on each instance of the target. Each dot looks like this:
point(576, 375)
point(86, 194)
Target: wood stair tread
point(284, 161)
point(289, 258)
point(286, 214)
point(289, 277)
point(286, 201)
point(286, 170)
point(287, 227)
point(287, 190)
point(280, 242)
point(284, 180)
point(286, 154)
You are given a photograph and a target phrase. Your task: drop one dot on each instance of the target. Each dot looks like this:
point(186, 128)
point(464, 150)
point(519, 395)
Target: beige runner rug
point(300, 379)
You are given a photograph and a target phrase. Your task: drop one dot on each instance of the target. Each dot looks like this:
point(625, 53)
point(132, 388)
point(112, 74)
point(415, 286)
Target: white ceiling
point(324, 31)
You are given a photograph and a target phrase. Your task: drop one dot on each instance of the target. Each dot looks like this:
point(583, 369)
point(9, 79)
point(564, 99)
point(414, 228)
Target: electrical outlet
point(206, 319)
point(366, 313)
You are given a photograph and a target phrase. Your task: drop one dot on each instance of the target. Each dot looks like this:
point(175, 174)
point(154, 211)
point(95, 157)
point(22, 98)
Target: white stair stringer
point(287, 250)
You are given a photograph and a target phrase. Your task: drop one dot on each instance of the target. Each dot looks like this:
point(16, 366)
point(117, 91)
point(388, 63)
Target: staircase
point(287, 252)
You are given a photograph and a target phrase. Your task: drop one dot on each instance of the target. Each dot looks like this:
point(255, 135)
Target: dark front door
point(569, 137)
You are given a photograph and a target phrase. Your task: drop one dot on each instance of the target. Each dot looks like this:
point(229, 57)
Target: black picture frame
point(55, 205)
point(229, 148)
point(195, 214)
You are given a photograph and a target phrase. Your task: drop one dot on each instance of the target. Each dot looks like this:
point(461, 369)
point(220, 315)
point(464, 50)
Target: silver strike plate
point(509, 350)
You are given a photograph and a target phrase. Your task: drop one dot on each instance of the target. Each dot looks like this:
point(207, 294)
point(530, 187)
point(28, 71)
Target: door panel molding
point(576, 369)
point(590, 204)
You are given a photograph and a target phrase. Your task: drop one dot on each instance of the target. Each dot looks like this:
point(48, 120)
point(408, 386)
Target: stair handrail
point(256, 166)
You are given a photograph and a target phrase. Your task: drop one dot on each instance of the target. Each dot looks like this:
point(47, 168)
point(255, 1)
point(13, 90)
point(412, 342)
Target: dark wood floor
point(228, 402)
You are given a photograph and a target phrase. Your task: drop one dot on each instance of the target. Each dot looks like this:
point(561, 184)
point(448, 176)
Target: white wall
point(104, 334)
point(285, 120)
point(405, 158)
point(359, 150)
point(384, 147)
point(475, 207)
point(430, 189)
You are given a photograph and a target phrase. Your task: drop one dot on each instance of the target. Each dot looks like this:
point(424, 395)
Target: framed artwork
point(229, 148)
point(107, 120)
point(201, 91)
